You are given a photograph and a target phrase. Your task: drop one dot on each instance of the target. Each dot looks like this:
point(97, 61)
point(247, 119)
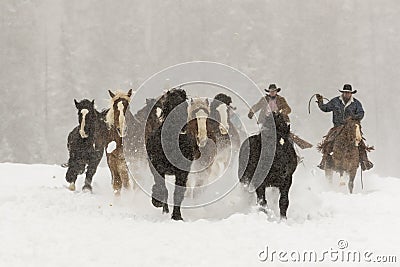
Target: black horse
point(255, 158)
point(85, 144)
point(171, 150)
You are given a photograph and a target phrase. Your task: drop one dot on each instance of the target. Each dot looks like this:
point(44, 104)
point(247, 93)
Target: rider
point(343, 107)
point(276, 103)
point(273, 102)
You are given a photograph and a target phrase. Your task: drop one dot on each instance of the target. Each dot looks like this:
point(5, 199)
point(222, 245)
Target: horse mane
point(110, 113)
point(171, 99)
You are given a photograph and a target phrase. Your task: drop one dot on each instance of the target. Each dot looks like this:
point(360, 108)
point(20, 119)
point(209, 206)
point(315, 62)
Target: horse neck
point(347, 133)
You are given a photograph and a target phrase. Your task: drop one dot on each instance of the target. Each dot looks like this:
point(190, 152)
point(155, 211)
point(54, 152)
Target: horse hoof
point(71, 186)
point(176, 217)
point(156, 203)
point(87, 188)
point(117, 193)
point(165, 208)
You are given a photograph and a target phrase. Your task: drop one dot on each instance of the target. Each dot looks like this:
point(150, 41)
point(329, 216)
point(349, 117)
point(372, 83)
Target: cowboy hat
point(272, 87)
point(348, 89)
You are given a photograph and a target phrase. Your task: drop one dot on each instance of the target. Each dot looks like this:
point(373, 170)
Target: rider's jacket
point(342, 111)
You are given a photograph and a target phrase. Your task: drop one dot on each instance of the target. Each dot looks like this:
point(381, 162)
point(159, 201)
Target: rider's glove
point(250, 115)
point(320, 98)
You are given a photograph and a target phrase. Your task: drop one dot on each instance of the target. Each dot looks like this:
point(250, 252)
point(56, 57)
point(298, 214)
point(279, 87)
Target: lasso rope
point(309, 102)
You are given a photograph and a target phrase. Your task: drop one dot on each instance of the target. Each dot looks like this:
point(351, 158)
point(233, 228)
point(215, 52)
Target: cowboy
point(272, 102)
point(343, 107)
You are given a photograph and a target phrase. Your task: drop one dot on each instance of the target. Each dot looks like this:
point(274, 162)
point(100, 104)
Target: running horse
point(85, 144)
point(268, 159)
point(219, 125)
point(171, 149)
point(117, 130)
point(222, 132)
point(343, 153)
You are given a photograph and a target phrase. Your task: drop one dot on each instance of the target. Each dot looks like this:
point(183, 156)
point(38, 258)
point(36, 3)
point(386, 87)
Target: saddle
point(326, 147)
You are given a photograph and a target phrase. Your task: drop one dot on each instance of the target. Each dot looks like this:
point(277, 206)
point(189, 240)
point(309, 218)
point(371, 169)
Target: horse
point(85, 144)
point(344, 156)
point(257, 152)
point(117, 129)
point(198, 113)
point(171, 150)
point(222, 132)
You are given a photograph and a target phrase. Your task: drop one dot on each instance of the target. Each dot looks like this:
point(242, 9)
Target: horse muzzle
point(223, 130)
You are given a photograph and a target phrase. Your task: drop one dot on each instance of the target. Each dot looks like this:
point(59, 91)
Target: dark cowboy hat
point(348, 89)
point(272, 87)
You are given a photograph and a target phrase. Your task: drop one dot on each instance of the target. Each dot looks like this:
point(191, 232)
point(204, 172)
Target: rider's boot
point(364, 161)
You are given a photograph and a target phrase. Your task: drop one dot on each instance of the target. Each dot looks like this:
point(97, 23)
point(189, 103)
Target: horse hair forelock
point(110, 114)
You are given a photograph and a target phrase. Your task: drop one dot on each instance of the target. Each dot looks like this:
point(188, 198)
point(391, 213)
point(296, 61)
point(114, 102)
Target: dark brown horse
point(117, 129)
point(344, 157)
point(220, 128)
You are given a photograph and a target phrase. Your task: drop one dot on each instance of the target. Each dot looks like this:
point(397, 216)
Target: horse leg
point(91, 170)
point(75, 167)
point(123, 171)
point(284, 198)
point(159, 196)
point(260, 191)
point(329, 175)
point(341, 179)
point(116, 179)
point(179, 193)
point(352, 176)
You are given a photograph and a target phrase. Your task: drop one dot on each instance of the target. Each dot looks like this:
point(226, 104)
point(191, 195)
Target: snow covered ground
point(44, 224)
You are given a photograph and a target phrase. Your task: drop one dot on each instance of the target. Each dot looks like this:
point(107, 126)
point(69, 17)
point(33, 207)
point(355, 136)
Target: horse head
point(86, 117)
point(220, 111)
point(281, 126)
point(116, 115)
point(198, 112)
point(172, 99)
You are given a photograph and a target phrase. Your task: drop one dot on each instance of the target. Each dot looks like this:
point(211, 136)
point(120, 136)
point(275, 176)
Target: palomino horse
point(256, 155)
point(117, 129)
point(171, 150)
point(85, 144)
point(344, 157)
point(198, 112)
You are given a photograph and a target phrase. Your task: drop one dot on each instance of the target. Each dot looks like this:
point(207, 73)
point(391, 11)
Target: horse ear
point(76, 103)
point(207, 101)
point(111, 93)
point(93, 102)
point(129, 92)
point(191, 100)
